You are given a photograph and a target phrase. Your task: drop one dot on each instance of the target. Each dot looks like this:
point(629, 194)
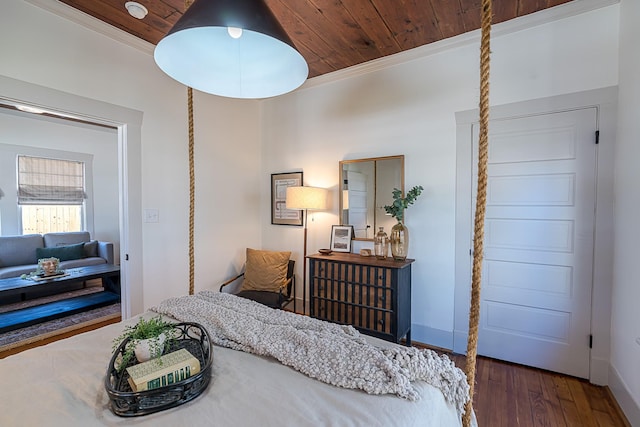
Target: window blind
point(43, 181)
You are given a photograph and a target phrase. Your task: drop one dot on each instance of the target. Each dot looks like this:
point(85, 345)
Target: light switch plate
point(151, 215)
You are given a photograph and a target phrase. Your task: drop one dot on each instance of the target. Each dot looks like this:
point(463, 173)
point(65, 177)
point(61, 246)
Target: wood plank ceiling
point(335, 34)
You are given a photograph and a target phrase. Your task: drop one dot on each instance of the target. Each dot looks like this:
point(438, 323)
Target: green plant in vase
point(399, 237)
point(147, 340)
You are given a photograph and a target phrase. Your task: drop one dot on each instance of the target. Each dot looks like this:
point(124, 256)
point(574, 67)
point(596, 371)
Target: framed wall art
point(341, 236)
point(280, 215)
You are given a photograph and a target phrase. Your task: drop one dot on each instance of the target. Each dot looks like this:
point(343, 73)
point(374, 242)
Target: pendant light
point(231, 48)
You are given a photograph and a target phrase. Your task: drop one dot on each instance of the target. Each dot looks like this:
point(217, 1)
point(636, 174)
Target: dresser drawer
point(353, 314)
point(361, 294)
point(372, 296)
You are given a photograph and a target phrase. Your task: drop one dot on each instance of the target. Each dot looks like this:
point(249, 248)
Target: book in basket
point(166, 370)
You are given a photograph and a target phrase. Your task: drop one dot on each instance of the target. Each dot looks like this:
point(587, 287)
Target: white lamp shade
point(306, 198)
point(200, 52)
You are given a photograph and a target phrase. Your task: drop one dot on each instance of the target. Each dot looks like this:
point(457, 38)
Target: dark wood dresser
point(372, 295)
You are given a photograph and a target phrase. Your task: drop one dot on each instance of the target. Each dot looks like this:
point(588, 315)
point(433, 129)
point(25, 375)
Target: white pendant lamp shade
point(203, 51)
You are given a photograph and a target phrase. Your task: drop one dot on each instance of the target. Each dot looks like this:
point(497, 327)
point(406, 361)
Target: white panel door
point(539, 237)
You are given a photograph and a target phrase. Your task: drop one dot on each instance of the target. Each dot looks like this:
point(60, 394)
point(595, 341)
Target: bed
point(62, 383)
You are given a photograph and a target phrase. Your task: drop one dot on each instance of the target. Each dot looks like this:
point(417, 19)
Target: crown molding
point(555, 13)
point(74, 15)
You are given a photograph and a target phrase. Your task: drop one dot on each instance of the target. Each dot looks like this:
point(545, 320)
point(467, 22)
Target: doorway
point(540, 235)
point(128, 124)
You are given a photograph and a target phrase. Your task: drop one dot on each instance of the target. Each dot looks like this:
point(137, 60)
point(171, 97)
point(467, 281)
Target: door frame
point(128, 123)
point(605, 101)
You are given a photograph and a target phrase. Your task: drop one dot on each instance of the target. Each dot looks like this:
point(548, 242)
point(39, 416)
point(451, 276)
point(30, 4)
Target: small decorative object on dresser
point(372, 295)
point(399, 238)
point(341, 236)
point(365, 252)
point(381, 244)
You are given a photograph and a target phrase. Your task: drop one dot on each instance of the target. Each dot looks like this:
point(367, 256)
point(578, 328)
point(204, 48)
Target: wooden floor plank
point(510, 391)
point(562, 389)
point(532, 377)
point(496, 417)
point(552, 401)
point(582, 404)
point(603, 419)
point(570, 412)
point(482, 400)
point(522, 400)
point(596, 396)
point(512, 395)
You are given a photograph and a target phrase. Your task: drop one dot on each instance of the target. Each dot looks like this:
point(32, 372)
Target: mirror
point(367, 186)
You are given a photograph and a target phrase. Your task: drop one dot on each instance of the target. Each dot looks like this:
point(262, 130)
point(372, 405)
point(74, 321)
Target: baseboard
point(432, 337)
point(460, 339)
point(629, 407)
point(599, 371)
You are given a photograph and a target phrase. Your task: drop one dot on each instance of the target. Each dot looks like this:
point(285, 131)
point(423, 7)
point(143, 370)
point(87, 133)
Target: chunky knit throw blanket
point(332, 353)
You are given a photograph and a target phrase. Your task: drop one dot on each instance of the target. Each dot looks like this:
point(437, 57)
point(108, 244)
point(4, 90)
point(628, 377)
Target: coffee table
point(109, 273)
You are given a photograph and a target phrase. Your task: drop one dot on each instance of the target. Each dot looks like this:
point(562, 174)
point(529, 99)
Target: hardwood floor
point(510, 395)
point(56, 337)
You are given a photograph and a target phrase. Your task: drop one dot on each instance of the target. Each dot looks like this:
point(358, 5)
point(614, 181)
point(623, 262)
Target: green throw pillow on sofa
point(63, 253)
point(91, 249)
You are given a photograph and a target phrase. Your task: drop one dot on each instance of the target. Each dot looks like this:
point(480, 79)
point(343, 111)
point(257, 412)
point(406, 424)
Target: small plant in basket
point(147, 340)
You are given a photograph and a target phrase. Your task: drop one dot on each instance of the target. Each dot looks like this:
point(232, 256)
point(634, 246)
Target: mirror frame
point(374, 160)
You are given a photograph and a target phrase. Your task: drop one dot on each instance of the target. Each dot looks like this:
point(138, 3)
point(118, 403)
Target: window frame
point(67, 157)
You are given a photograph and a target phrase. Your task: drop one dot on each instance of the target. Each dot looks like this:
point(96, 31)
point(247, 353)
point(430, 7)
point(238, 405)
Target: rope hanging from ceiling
point(192, 182)
point(481, 199)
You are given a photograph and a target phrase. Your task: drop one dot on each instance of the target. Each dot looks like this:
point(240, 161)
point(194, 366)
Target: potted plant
point(399, 238)
point(147, 340)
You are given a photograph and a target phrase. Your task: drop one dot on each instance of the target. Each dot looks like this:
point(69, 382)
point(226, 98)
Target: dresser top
point(364, 260)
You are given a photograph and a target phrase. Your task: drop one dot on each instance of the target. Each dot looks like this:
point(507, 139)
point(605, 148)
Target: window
point(51, 194)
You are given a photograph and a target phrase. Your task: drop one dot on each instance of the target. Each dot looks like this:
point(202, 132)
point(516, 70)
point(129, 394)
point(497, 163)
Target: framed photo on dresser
point(341, 236)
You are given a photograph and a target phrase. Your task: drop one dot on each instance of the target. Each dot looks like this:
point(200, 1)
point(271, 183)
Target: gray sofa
point(19, 254)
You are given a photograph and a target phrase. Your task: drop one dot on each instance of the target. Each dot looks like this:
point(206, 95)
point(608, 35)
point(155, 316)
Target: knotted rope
point(481, 201)
point(192, 183)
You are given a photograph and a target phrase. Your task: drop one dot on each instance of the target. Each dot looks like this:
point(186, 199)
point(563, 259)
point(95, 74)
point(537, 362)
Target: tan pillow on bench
point(265, 270)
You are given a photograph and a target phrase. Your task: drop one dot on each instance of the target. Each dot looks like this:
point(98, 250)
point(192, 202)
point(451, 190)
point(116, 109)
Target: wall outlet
point(151, 215)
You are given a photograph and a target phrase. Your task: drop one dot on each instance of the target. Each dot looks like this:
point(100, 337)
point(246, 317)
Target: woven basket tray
point(127, 403)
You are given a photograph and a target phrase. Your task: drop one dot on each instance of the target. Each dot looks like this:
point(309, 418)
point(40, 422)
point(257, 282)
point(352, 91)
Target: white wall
point(59, 54)
point(405, 109)
point(625, 322)
point(409, 109)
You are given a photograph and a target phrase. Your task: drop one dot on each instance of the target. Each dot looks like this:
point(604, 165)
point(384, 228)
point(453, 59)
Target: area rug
point(30, 334)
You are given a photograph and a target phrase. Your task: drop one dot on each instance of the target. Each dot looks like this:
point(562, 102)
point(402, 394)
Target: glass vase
point(380, 244)
point(399, 240)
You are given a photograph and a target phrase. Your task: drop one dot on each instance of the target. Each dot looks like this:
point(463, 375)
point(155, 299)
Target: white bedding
point(62, 384)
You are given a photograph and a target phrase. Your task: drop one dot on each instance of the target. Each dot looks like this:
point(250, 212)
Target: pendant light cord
point(192, 183)
point(481, 201)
